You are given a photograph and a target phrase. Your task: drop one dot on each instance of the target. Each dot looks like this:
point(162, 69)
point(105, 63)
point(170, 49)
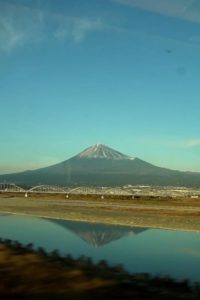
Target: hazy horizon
point(34, 167)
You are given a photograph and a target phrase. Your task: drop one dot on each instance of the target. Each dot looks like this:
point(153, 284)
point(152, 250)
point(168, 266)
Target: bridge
point(130, 191)
point(67, 191)
point(10, 187)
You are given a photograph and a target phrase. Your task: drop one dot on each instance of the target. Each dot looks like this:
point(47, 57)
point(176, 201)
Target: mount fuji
point(100, 165)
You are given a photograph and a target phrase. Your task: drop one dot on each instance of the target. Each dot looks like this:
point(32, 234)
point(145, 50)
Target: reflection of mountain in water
point(98, 234)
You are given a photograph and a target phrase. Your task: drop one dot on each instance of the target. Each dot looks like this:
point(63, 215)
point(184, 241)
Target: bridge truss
point(103, 191)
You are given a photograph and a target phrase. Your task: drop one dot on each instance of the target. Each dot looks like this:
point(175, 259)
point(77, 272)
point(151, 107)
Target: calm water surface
point(154, 251)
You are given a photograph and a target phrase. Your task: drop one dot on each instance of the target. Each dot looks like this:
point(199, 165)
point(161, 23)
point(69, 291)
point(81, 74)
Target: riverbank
point(26, 273)
point(179, 214)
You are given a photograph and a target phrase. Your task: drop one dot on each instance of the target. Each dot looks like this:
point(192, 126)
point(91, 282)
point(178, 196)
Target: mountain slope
point(100, 165)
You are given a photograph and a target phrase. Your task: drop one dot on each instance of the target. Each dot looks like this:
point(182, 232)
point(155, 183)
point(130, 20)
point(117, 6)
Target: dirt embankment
point(180, 214)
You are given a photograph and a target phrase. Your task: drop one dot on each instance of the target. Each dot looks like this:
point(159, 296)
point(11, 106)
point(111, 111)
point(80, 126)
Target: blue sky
point(124, 73)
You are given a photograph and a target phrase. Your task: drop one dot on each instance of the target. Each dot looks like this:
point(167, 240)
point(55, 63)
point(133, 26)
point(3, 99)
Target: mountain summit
point(100, 165)
point(102, 151)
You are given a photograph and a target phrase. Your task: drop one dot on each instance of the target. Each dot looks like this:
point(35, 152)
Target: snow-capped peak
point(102, 151)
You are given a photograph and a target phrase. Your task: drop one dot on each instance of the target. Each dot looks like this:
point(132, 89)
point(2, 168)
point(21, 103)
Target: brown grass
point(25, 273)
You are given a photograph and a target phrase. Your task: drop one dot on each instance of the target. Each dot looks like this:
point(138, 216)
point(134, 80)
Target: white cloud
point(174, 143)
point(190, 143)
point(184, 9)
point(10, 37)
point(77, 28)
point(20, 25)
